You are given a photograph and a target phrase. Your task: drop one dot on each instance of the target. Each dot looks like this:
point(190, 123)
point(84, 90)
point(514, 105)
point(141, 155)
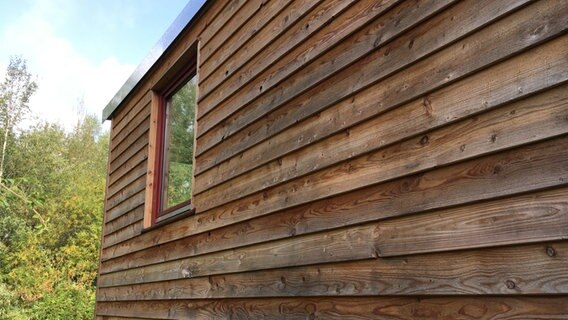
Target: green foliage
point(51, 202)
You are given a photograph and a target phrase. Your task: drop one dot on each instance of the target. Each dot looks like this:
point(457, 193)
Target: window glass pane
point(178, 146)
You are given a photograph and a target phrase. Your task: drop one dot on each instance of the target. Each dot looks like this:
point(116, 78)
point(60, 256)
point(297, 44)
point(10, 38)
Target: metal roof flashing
point(187, 16)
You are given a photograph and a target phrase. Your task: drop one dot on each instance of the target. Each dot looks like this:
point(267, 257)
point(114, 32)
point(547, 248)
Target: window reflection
point(178, 146)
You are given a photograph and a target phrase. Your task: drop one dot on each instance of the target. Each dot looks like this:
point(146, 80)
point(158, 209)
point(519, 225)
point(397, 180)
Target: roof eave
point(188, 15)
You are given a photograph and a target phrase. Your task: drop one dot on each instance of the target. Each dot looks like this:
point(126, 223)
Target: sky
point(81, 51)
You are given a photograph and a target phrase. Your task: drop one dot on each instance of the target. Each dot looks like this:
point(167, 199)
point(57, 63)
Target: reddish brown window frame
point(159, 215)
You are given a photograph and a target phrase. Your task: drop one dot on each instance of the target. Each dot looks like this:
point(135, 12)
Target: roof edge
point(187, 16)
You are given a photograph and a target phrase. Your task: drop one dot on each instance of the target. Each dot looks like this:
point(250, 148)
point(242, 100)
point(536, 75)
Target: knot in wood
point(550, 252)
point(510, 284)
point(424, 140)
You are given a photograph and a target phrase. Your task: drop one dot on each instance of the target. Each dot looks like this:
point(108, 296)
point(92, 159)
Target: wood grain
point(521, 123)
point(387, 308)
point(288, 30)
point(542, 165)
point(281, 64)
point(223, 36)
point(217, 54)
point(127, 179)
point(140, 156)
point(470, 272)
point(129, 218)
point(382, 62)
point(533, 219)
point(391, 159)
point(123, 116)
point(256, 99)
point(124, 158)
point(512, 79)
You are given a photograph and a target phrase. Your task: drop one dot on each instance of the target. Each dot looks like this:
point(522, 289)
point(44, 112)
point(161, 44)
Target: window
point(171, 170)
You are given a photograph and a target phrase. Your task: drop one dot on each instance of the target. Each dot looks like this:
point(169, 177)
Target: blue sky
point(81, 51)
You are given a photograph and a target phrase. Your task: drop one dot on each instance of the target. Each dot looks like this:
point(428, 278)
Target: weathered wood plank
point(255, 25)
point(384, 62)
point(219, 19)
point(247, 22)
point(131, 217)
point(119, 318)
point(223, 37)
point(531, 168)
point(338, 28)
point(132, 176)
point(132, 149)
point(123, 234)
point(122, 195)
point(131, 138)
point(384, 308)
point(535, 70)
point(413, 81)
point(485, 224)
point(120, 171)
point(119, 137)
point(288, 28)
point(528, 267)
point(126, 206)
point(524, 122)
point(124, 115)
point(256, 99)
point(524, 219)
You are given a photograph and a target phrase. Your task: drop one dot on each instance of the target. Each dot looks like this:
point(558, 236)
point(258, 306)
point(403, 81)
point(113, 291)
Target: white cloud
point(65, 77)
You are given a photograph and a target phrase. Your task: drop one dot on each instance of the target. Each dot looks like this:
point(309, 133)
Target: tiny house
point(342, 159)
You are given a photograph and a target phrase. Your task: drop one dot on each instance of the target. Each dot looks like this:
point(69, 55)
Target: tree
point(15, 93)
point(52, 185)
point(50, 273)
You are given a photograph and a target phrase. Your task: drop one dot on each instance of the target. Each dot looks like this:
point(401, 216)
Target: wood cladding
point(387, 159)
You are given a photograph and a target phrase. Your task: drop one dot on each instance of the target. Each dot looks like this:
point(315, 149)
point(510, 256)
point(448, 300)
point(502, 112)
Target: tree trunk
point(4, 144)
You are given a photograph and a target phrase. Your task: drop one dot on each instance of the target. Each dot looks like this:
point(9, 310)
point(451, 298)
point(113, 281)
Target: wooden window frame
point(176, 78)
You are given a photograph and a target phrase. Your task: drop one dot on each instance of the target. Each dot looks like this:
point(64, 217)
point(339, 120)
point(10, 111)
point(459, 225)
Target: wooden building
point(371, 159)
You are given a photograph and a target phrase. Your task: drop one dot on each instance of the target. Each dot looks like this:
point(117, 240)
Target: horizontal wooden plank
point(219, 19)
point(384, 308)
point(119, 318)
point(250, 105)
point(541, 165)
point(281, 65)
point(128, 180)
point(387, 60)
point(487, 271)
point(278, 36)
point(524, 219)
point(537, 216)
point(120, 136)
point(123, 234)
point(125, 220)
point(129, 153)
point(124, 115)
point(123, 195)
point(463, 140)
point(523, 75)
point(218, 55)
point(140, 156)
point(223, 36)
point(131, 138)
point(133, 202)
point(523, 122)
point(279, 227)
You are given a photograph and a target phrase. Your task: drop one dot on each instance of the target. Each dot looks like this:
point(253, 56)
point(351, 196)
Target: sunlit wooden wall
point(356, 159)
